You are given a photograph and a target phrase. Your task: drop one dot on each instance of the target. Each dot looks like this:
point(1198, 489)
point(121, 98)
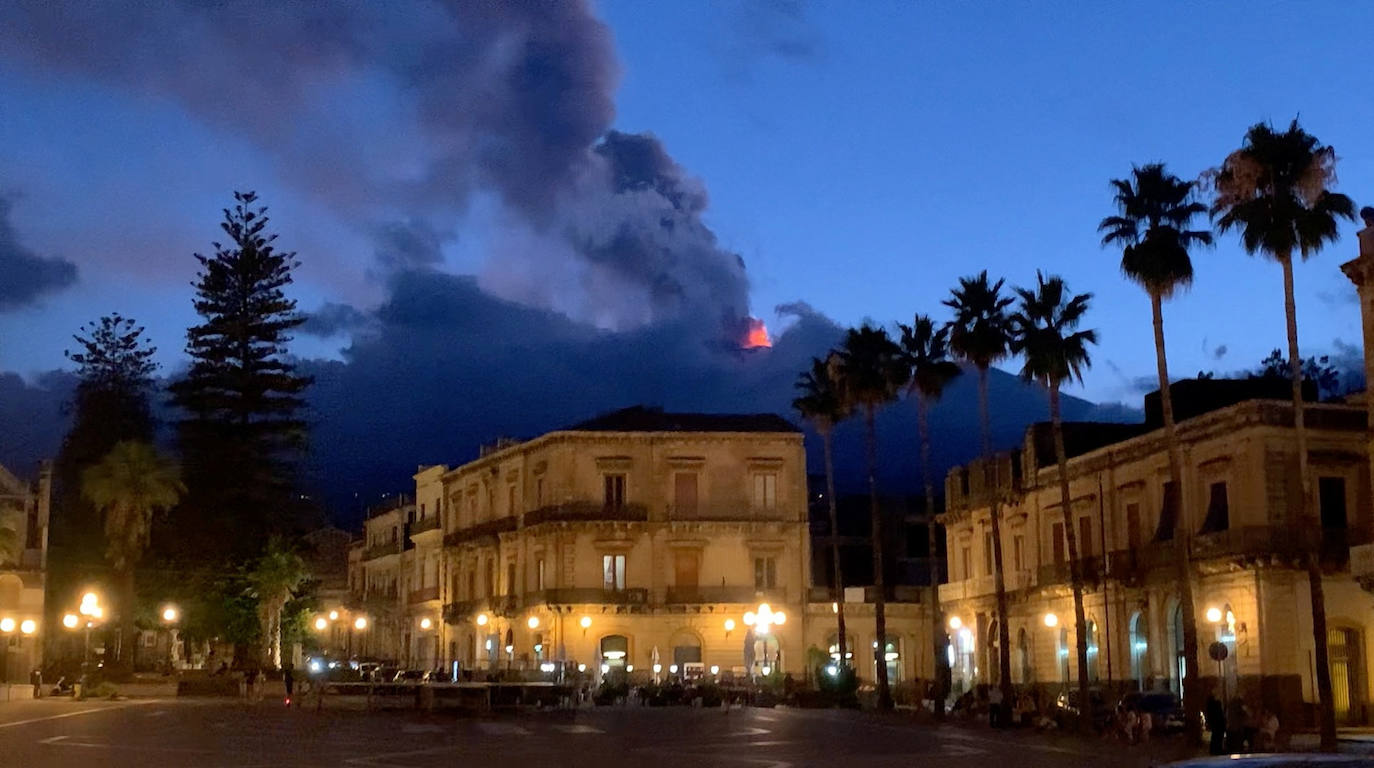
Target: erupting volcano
point(757, 335)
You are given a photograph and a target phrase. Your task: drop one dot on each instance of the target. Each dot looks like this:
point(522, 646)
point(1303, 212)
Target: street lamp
point(1051, 620)
point(1214, 615)
point(426, 623)
point(321, 624)
point(482, 619)
point(170, 615)
point(360, 623)
point(533, 622)
point(28, 626)
point(764, 619)
point(333, 615)
point(70, 621)
point(955, 622)
point(7, 625)
point(730, 625)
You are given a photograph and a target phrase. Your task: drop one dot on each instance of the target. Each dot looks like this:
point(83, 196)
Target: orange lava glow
point(758, 335)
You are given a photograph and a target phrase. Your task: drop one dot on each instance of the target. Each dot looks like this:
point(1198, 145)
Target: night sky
point(512, 214)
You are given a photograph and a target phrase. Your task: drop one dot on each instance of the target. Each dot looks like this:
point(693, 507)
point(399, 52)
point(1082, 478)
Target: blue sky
point(859, 156)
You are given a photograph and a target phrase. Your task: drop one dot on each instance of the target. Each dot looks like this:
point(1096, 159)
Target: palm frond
point(1046, 335)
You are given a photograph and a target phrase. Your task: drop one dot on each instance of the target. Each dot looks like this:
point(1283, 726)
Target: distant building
point(1247, 537)
point(24, 508)
point(635, 536)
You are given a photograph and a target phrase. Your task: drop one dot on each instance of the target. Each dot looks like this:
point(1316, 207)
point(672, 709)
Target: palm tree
point(871, 373)
point(276, 575)
point(130, 485)
point(925, 352)
point(1275, 190)
point(1045, 334)
point(980, 334)
point(1155, 213)
point(820, 403)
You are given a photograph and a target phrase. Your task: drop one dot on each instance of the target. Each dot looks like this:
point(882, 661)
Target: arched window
point(1140, 646)
point(1347, 670)
point(994, 662)
point(833, 647)
point(892, 657)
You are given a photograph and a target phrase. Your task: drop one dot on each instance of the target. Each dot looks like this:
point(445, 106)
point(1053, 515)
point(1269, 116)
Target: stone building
point(635, 538)
point(1247, 536)
point(24, 508)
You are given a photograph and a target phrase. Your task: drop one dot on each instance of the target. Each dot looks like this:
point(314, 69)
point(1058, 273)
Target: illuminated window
point(613, 570)
point(765, 572)
point(765, 490)
point(613, 491)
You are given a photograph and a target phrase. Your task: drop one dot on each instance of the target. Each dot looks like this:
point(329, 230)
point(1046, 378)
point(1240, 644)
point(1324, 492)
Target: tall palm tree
point(1153, 225)
point(925, 352)
point(1045, 333)
point(980, 334)
point(871, 374)
point(1275, 190)
point(130, 485)
point(820, 403)
point(276, 575)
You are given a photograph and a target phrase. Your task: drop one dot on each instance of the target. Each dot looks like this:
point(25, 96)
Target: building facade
point(636, 539)
point(24, 509)
point(1247, 536)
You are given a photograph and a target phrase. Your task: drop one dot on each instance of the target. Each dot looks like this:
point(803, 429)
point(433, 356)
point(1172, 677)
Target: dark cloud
point(1219, 352)
point(1348, 359)
point(410, 244)
point(25, 277)
point(33, 418)
point(334, 319)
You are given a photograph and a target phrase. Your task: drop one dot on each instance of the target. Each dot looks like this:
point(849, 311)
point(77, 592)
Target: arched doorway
point(1094, 669)
point(994, 659)
point(1062, 653)
point(687, 654)
point(1347, 670)
point(892, 657)
point(1140, 646)
point(615, 652)
point(833, 648)
point(962, 667)
point(763, 654)
point(1023, 659)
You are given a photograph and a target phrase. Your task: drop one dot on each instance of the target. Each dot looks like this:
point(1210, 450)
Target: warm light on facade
point(28, 626)
point(360, 622)
point(1213, 615)
point(333, 615)
point(533, 622)
point(730, 623)
point(6, 625)
point(70, 621)
point(321, 623)
point(955, 622)
point(170, 613)
point(426, 623)
point(1051, 620)
point(482, 619)
point(585, 621)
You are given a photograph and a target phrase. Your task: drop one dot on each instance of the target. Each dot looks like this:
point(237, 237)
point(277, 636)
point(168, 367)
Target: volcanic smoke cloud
point(447, 99)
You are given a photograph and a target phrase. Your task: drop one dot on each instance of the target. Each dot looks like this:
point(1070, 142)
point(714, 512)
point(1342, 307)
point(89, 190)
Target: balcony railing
point(463, 610)
point(425, 524)
point(725, 513)
point(489, 529)
point(567, 595)
point(423, 595)
point(382, 550)
point(586, 511)
point(743, 595)
point(895, 594)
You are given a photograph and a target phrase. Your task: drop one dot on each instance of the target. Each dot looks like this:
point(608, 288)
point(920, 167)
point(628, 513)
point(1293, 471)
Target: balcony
point(463, 610)
point(742, 595)
point(587, 511)
point(895, 593)
point(382, 550)
point(489, 529)
point(594, 595)
point(423, 595)
point(726, 513)
point(424, 525)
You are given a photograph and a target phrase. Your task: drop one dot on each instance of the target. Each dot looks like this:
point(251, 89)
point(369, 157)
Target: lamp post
point(763, 619)
point(170, 616)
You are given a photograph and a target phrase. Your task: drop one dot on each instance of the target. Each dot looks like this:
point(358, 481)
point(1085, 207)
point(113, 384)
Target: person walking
point(288, 679)
point(1216, 723)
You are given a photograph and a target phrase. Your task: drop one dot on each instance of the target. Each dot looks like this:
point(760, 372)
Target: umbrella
point(653, 662)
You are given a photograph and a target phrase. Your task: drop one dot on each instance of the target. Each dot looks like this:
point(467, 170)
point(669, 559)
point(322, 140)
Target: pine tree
point(115, 369)
point(242, 433)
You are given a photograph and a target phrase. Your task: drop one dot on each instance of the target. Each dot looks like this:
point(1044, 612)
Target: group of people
point(1133, 725)
point(1233, 729)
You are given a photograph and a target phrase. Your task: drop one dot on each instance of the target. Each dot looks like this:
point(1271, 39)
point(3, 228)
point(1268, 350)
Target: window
point(613, 568)
point(686, 568)
point(472, 585)
point(1085, 536)
point(966, 562)
point(765, 572)
point(422, 510)
point(510, 499)
point(539, 574)
point(395, 534)
point(1331, 502)
point(539, 492)
point(987, 553)
point(510, 578)
point(1218, 511)
point(685, 491)
point(1018, 552)
point(614, 496)
point(1133, 526)
point(1057, 542)
point(765, 491)
point(1168, 511)
point(491, 578)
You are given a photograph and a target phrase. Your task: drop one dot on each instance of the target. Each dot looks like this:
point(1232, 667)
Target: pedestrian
point(995, 706)
point(1216, 723)
point(288, 679)
point(1237, 726)
point(1147, 723)
point(1267, 736)
point(1130, 723)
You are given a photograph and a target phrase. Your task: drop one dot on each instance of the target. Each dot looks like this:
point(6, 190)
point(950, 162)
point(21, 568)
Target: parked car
point(1066, 708)
point(1164, 707)
point(412, 676)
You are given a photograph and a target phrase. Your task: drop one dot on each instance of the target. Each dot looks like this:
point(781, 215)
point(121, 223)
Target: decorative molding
point(614, 463)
